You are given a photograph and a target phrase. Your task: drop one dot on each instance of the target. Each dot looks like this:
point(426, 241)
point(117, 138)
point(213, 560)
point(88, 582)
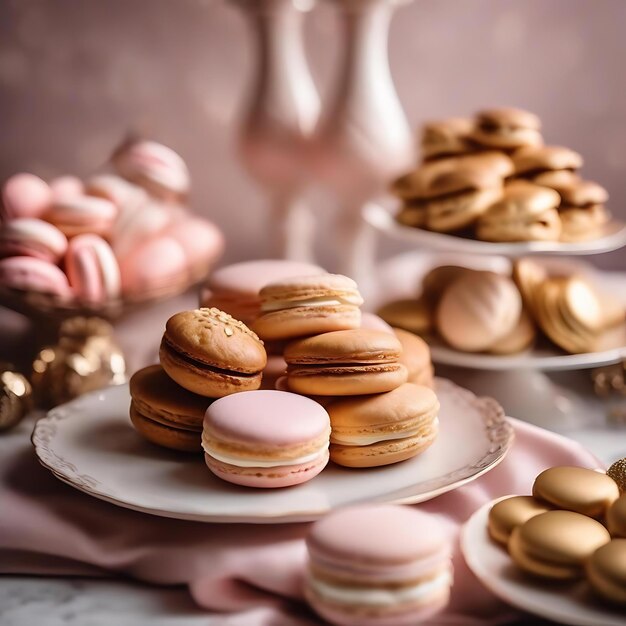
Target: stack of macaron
point(377, 564)
point(124, 233)
point(572, 527)
point(491, 177)
point(377, 416)
point(481, 311)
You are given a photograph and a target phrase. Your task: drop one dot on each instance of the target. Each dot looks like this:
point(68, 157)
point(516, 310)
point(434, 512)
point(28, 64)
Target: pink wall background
point(75, 75)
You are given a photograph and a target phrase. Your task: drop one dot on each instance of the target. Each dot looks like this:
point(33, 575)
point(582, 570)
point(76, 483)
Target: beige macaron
point(576, 489)
point(557, 544)
point(511, 512)
point(444, 138)
point(477, 310)
point(308, 305)
point(520, 338)
point(528, 276)
point(415, 357)
point(616, 517)
point(438, 279)
point(345, 363)
point(582, 210)
point(526, 212)
point(606, 572)
point(532, 161)
point(414, 315)
point(374, 430)
point(507, 128)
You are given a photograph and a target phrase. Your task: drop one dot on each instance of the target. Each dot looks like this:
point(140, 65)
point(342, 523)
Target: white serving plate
point(568, 604)
point(90, 444)
point(383, 220)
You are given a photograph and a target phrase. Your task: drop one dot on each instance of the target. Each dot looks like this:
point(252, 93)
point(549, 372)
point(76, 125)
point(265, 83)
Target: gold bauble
point(617, 472)
point(85, 358)
point(15, 397)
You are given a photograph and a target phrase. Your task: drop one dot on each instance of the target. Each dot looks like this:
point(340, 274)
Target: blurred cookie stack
point(123, 233)
point(492, 178)
point(481, 311)
point(357, 374)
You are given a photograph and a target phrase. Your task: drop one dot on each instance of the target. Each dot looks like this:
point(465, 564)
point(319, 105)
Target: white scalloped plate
point(90, 444)
point(567, 604)
point(383, 220)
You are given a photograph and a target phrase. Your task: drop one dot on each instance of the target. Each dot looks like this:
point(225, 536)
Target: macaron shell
point(165, 436)
point(616, 517)
point(66, 187)
point(508, 514)
point(82, 214)
point(371, 321)
point(25, 195)
point(415, 356)
point(30, 274)
point(28, 236)
point(606, 571)
point(414, 315)
point(267, 478)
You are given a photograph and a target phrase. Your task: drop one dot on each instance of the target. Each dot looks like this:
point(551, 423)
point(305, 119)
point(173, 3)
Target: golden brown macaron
point(380, 429)
point(449, 137)
point(576, 489)
point(210, 353)
point(507, 128)
point(532, 161)
point(526, 212)
point(528, 276)
point(345, 363)
point(582, 210)
point(414, 315)
point(511, 512)
point(555, 178)
point(606, 571)
point(308, 305)
point(557, 544)
point(415, 357)
point(165, 413)
point(616, 517)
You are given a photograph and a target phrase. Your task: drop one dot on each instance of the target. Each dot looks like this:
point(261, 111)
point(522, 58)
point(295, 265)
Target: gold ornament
point(617, 472)
point(15, 397)
point(85, 358)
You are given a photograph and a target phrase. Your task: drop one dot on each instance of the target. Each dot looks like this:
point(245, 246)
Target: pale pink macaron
point(25, 195)
point(156, 268)
point(371, 321)
point(77, 215)
point(157, 168)
point(266, 438)
point(377, 565)
point(66, 187)
point(92, 269)
point(125, 195)
point(235, 288)
point(202, 241)
point(29, 236)
point(30, 274)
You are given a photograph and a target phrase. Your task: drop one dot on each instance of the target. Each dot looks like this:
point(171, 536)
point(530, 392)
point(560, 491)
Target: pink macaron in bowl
point(266, 438)
point(31, 275)
point(377, 565)
point(29, 236)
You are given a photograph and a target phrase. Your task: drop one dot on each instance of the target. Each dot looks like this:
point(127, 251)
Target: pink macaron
point(92, 269)
point(77, 215)
point(202, 241)
point(235, 288)
point(31, 274)
point(157, 168)
point(377, 565)
point(156, 268)
point(266, 438)
point(25, 195)
point(29, 236)
point(125, 195)
point(66, 187)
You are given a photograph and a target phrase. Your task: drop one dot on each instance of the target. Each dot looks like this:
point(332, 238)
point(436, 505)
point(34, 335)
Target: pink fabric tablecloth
point(46, 527)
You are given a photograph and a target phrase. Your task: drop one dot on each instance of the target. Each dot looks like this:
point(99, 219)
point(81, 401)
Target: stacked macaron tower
point(480, 311)
point(377, 416)
point(492, 178)
point(123, 234)
point(572, 527)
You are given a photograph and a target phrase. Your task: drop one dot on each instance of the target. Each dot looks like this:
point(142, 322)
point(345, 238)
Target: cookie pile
point(572, 527)
point(123, 233)
point(492, 178)
point(480, 311)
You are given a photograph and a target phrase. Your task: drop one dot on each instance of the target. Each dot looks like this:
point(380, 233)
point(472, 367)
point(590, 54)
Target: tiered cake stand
point(520, 382)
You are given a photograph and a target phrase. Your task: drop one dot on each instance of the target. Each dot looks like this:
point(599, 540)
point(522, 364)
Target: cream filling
point(252, 462)
point(365, 440)
point(368, 596)
point(279, 305)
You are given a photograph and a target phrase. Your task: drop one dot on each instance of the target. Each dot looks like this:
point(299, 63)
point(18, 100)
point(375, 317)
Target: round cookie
point(380, 429)
point(477, 310)
point(556, 544)
point(444, 138)
point(377, 565)
point(576, 489)
point(266, 438)
point(345, 363)
point(616, 517)
point(208, 352)
point(606, 571)
point(415, 357)
point(507, 128)
point(528, 276)
point(532, 161)
point(308, 305)
point(511, 512)
point(521, 337)
point(415, 315)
